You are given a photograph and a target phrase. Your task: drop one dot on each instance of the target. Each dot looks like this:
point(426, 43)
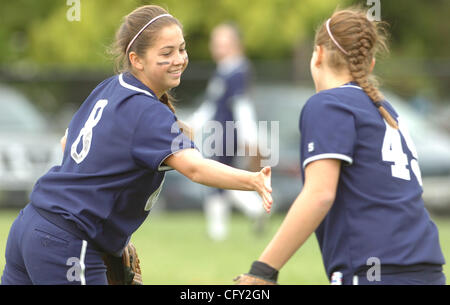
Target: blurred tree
point(420, 49)
point(17, 19)
point(418, 28)
point(270, 28)
point(38, 33)
point(74, 44)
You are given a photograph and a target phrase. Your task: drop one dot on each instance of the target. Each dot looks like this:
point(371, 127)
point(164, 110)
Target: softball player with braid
point(119, 143)
point(362, 191)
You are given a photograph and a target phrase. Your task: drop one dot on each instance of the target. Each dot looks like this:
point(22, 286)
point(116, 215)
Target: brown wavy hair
point(131, 25)
point(362, 39)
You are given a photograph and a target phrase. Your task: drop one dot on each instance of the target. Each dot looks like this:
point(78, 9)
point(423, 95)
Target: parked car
point(283, 103)
point(28, 147)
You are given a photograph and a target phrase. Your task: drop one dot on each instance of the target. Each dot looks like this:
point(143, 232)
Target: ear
point(136, 61)
point(372, 65)
point(318, 56)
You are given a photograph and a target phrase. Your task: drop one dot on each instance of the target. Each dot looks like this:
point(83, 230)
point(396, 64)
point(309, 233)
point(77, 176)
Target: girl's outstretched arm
point(306, 213)
point(191, 164)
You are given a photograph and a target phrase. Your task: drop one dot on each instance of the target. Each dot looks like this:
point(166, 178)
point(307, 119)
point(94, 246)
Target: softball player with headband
point(119, 143)
point(362, 192)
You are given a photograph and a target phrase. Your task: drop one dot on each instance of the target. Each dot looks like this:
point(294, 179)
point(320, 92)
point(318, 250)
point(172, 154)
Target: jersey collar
point(351, 84)
point(129, 81)
point(228, 65)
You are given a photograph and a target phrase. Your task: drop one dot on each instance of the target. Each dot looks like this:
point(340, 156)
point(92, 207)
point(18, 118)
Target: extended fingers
point(264, 188)
point(267, 201)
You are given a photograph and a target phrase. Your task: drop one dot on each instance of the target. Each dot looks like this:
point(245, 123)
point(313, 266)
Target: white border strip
point(350, 86)
point(327, 156)
point(131, 87)
point(82, 265)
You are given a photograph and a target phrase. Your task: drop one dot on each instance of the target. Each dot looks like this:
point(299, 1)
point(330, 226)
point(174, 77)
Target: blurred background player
point(227, 100)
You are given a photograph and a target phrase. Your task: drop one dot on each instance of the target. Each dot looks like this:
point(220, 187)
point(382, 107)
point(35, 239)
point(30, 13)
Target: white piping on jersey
point(328, 156)
point(154, 197)
point(165, 168)
point(350, 86)
point(131, 87)
point(82, 265)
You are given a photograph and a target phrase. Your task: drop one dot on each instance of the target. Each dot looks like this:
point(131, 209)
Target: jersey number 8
point(86, 132)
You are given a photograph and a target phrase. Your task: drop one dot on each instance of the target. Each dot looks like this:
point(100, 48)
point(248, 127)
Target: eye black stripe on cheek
point(163, 63)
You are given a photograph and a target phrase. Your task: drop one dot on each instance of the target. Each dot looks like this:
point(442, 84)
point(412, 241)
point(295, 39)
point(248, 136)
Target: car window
point(17, 114)
point(282, 104)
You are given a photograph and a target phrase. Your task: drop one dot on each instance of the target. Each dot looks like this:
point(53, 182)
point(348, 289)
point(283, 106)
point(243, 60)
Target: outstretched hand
point(263, 187)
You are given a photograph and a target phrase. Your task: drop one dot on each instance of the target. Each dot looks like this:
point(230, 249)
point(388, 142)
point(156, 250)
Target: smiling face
point(162, 64)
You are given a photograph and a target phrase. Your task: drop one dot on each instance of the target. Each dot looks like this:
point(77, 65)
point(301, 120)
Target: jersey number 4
point(392, 151)
point(86, 132)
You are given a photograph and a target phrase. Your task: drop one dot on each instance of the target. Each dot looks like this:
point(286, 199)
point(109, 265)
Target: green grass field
point(174, 249)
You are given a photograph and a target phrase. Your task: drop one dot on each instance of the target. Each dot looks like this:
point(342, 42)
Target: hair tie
point(332, 38)
point(378, 104)
point(143, 28)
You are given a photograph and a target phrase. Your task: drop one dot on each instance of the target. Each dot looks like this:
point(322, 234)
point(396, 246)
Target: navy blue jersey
point(113, 165)
point(229, 83)
point(378, 211)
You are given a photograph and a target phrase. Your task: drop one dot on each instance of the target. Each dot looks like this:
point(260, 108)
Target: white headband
point(143, 28)
point(332, 38)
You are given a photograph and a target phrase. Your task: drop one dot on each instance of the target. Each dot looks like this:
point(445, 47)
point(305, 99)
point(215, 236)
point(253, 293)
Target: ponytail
point(167, 99)
point(359, 60)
